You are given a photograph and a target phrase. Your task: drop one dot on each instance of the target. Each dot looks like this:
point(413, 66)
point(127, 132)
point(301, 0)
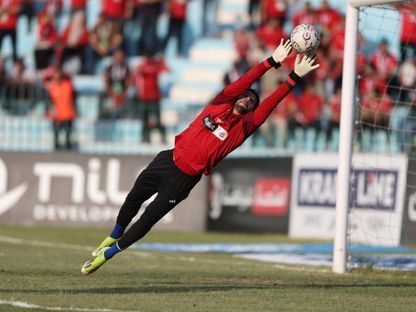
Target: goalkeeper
point(232, 116)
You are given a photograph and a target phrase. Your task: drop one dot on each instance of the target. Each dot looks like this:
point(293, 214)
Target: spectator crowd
point(385, 81)
point(385, 85)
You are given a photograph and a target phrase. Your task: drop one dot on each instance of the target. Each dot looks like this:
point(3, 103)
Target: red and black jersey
point(303, 17)
point(217, 131)
point(310, 106)
point(147, 79)
point(275, 8)
point(328, 18)
point(270, 37)
point(78, 4)
point(408, 30)
point(46, 34)
point(385, 63)
point(177, 9)
point(114, 8)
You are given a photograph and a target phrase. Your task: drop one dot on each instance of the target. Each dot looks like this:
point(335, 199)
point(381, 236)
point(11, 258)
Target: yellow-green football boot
point(93, 265)
point(107, 242)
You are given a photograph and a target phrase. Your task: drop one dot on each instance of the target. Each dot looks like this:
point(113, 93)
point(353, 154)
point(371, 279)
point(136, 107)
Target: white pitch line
point(26, 305)
point(301, 268)
point(37, 243)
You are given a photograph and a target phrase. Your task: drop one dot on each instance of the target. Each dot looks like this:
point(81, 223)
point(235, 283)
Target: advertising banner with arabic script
point(81, 190)
point(250, 195)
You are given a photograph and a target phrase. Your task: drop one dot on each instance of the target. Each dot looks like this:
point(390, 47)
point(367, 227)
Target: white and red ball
point(305, 39)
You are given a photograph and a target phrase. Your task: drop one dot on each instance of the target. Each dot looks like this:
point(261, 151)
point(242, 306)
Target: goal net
point(379, 186)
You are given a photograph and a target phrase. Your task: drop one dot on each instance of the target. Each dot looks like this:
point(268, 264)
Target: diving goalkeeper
point(224, 124)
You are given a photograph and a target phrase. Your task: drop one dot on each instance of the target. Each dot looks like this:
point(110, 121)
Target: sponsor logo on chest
point(215, 128)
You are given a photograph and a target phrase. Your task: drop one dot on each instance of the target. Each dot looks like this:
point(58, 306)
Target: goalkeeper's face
point(245, 103)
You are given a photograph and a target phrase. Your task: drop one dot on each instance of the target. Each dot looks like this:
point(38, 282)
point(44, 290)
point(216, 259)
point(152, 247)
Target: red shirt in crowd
point(369, 83)
point(53, 6)
point(323, 71)
point(114, 8)
point(217, 131)
point(270, 36)
point(328, 18)
point(378, 104)
point(9, 20)
point(177, 9)
point(146, 79)
point(338, 39)
point(242, 42)
point(304, 17)
point(275, 8)
point(310, 107)
point(384, 63)
point(287, 65)
point(46, 34)
point(78, 4)
point(361, 63)
point(286, 107)
point(83, 39)
point(335, 62)
point(408, 31)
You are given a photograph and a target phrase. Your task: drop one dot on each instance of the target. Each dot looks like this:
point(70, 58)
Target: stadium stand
point(190, 83)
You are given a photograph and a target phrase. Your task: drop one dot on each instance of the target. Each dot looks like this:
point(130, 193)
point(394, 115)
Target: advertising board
point(77, 189)
point(376, 197)
point(250, 195)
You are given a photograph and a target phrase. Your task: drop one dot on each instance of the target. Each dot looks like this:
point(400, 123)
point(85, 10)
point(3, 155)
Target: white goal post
point(347, 130)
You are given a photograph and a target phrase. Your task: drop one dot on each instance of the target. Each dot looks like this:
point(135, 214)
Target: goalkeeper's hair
point(256, 95)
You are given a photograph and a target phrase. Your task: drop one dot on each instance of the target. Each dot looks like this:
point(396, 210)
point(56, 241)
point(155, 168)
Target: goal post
point(347, 129)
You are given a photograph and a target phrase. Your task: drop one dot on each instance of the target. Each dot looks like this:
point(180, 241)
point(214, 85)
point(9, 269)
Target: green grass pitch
point(40, 270)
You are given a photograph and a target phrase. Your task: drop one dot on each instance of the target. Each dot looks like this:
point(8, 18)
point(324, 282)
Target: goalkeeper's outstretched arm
point(246, 80)
point(302, 67)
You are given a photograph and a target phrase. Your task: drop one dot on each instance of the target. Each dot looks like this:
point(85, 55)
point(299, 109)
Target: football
point(305, 39)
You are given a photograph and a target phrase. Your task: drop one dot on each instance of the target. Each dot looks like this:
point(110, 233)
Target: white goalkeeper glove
point(305, 65)
point(282, 51)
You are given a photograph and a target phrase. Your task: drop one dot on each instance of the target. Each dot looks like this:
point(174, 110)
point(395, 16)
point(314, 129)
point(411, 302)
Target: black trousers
point(151, 119)
point(162, 177)
point(44, 57)
point(149, 40)
point(78, 52)
point(28, 9)
point(175, 30)
point(65, 126)
point(332, 125)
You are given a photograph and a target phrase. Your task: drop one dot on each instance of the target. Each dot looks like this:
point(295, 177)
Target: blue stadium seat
point(334, 143)
point(398, 117)
point(88, 107)
point(25, 134)
point(299, 139)
point(89, 85)
point(310, 140)
point(380, 142)
point(366, 140)
point(321, 144)
point(125, 131)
